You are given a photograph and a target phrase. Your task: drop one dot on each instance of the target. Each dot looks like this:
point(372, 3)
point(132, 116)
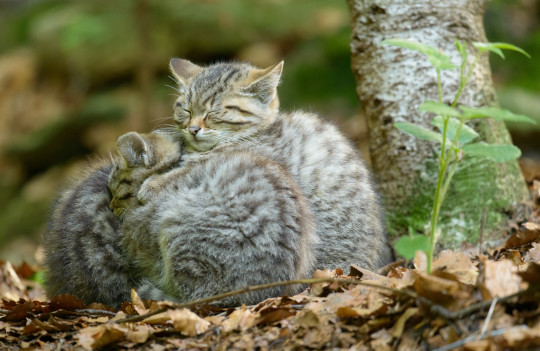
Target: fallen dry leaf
point(138, 305)
point(444, 290)
point(420, 261)
point(318, 289)
point(241, 319)
point(531, 274)
point(308, 319)
point(521, 238)
point(531, 225)
point(397, 330)
point(500, 279)
point(522, 337)
point(140, 334)
point(187, 322)
point(11, 287)
point(458, 264)
point(534, 253)
point(478, 345)
point(94, 337)
point(65, 302)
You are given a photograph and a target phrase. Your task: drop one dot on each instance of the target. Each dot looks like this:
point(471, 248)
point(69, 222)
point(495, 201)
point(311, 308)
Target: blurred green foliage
point(97, 42)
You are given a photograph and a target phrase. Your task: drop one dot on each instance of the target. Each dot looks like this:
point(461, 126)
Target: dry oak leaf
point(318, 289)
point(534, 253)
point(399, 326)
point(184, 321)
point(94, 337)
point(522, 337)
point(138, 304)
point(531, 274)
point(521, 238)
point(141, 333)
point(241, 319)
point(500, 279)
point(458, 264)
point(420, 261)
point(11, 287)
point(479, 345)
point(442, 288)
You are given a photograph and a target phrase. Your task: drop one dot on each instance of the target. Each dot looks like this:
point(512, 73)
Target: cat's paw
point(147, 191)
point(143, 196)
point(148, 291)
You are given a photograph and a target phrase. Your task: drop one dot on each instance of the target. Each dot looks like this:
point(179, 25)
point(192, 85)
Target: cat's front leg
point(148, 291)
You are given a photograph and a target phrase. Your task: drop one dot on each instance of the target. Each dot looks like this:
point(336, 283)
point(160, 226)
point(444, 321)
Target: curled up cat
point(217, 223)
point(235, 106)
point(246, 195)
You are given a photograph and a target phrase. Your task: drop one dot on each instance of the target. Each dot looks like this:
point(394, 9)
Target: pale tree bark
point(392, 82)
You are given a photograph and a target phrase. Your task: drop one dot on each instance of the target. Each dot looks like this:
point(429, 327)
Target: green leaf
point(407, 246)
point(494, 152)
point(466, 135)
point(438, 108)
point(419, 132)
point(495, 113)
point(496, 48)
point(435, 56)
point(486, 46)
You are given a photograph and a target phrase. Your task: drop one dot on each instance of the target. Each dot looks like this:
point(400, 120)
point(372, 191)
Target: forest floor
point(475, 299)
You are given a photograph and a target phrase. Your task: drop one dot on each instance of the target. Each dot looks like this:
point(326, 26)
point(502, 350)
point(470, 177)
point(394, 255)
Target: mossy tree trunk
point(392, 82)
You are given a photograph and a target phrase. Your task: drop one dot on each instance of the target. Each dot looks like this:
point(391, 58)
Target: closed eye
point(210, 114)
point(233, 123)
point(239, 109)
point(124, 197)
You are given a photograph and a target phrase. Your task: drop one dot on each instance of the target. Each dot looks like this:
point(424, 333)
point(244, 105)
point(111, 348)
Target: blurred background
point(75, 75)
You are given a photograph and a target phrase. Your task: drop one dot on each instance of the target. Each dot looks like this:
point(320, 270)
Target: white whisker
point(174, 88)
point(174, 79)
point(112, 159)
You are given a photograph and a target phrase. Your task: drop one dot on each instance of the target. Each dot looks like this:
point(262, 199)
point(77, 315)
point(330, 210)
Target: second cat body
point(221, 222)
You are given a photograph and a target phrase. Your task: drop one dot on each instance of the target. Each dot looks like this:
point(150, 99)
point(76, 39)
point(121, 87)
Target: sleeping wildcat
point(234, 106)
point(218, 223)
point(224, 106)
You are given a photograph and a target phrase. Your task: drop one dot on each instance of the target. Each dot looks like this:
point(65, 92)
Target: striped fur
point(235, 107)
point(83, 253)
point(217, 223)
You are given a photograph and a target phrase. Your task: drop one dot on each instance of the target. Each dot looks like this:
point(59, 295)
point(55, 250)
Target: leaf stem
point(439, 86)
point(463, 81)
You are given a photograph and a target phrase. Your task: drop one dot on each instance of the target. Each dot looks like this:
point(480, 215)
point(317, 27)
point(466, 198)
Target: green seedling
point(454, 136)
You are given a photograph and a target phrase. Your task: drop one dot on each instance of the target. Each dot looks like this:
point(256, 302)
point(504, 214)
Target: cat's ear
point(262, 83)
point(135, 150)
point(183, 70)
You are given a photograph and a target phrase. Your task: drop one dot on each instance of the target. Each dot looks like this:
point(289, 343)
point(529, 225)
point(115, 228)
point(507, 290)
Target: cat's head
point(139, 157)
point(223, 102)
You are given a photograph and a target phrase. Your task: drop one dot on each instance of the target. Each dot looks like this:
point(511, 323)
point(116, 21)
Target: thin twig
point(463, 341)
point(488, 319)
point(453, 315)
point(80, 312)
point(134, 319)
point(433, 307)
point(98, 312)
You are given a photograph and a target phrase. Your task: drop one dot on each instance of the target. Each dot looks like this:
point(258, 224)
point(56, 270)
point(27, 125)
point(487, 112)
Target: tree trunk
point(392, 83)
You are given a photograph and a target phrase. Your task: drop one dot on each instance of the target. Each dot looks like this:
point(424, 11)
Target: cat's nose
point(194, 130)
